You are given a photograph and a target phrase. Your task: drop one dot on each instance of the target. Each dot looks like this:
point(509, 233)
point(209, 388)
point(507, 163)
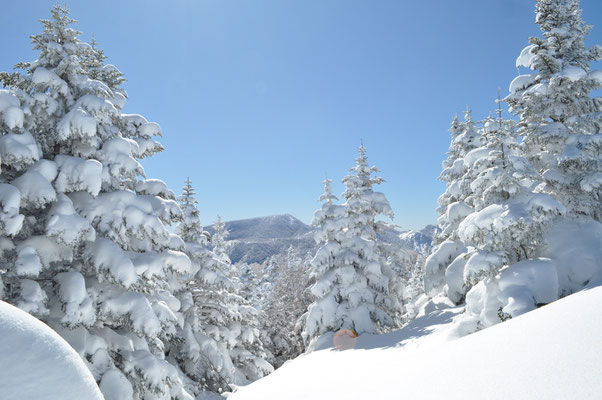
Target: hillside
point(551, 353)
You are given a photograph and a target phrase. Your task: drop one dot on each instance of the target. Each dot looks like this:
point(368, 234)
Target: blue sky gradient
point(257, 99)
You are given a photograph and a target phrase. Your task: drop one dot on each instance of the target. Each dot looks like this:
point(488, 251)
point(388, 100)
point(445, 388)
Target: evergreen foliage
point(84, 241)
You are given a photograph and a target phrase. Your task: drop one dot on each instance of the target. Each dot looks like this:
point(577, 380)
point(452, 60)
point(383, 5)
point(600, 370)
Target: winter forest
point(111, 288)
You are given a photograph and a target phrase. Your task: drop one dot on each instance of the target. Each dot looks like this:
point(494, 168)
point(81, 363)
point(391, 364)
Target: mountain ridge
point(254, 240)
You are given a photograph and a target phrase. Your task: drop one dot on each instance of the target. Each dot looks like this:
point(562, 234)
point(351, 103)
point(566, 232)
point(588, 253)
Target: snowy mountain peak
point(269, 227)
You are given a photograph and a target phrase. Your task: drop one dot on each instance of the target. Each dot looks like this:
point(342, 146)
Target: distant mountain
point(257, 239)
point(421, 240)
point(254, 240)
point(271, 227)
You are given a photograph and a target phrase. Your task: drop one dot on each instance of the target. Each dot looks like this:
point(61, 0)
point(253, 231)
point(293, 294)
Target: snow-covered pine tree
point(218, 240)
point(190, 229)
point(330, 223)
point(269, 276)
point(414, 289)
point(453, 205)
point(353, 275)
point(90, 254)
point(509, 219)
point(289, 300)
point(220, 338)
point(249, 285)
point(93, 62)
point(206, 364)
point(560, 122)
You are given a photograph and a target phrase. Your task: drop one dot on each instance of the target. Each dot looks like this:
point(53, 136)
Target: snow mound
point(553, 352)
point(37, 363)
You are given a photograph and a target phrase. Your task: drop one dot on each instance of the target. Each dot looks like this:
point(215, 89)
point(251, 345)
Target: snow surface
point(522, 82)
point(551, 353)
point(36, 363)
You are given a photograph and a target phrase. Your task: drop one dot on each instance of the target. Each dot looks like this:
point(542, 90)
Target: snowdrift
point(36, 363)
point(554, 352)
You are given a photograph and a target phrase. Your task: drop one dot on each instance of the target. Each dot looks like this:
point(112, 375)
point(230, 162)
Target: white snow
point(596, 75)
point(115, 386)
point(551, 353)
point(36, 363)
point(10, 110)
point(76, 124)
point(76, 174)
point(10, 200)
point(526, 57)
point(573, 73)
point(522, 82)
point(66, 224)
point(35, 190)
point(18, 150)
point(106, 255)
point(48, 79)
point(528, 283)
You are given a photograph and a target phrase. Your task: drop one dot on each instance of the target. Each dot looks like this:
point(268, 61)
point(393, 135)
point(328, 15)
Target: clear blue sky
point(258, 98)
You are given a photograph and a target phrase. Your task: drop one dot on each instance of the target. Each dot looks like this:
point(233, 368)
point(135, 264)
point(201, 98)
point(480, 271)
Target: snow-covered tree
point(220, 340)
point(506, 219)
point(559, 127)
point(560, 122)
point(353, 275)
point(218, 240)
point(288, 302)
point(84, 243)
point(269, 276)
point(206, 365)
point(509, 219)
point(454, 205)
point(249, 285)
point(190, 229)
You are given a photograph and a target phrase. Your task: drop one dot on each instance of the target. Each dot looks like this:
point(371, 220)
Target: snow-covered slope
point(554, 352)
point(36, 363)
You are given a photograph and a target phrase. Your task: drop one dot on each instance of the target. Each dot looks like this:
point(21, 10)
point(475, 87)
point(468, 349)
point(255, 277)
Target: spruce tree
point(218, 240)
point(455, 204)
point(559, 119)
point(90, 255)
point(352, 272)
point(288, 302)
point(509, 219)
point(220, 340)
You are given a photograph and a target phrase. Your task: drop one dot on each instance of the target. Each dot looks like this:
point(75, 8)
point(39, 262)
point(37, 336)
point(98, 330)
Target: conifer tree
point(454, 204)
point(249, 284)
point(509, 219)
point(84, 241)
point(288, 302)
point(560, 121)
point(353, 276)
point(218, 240)
point(221, 339)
